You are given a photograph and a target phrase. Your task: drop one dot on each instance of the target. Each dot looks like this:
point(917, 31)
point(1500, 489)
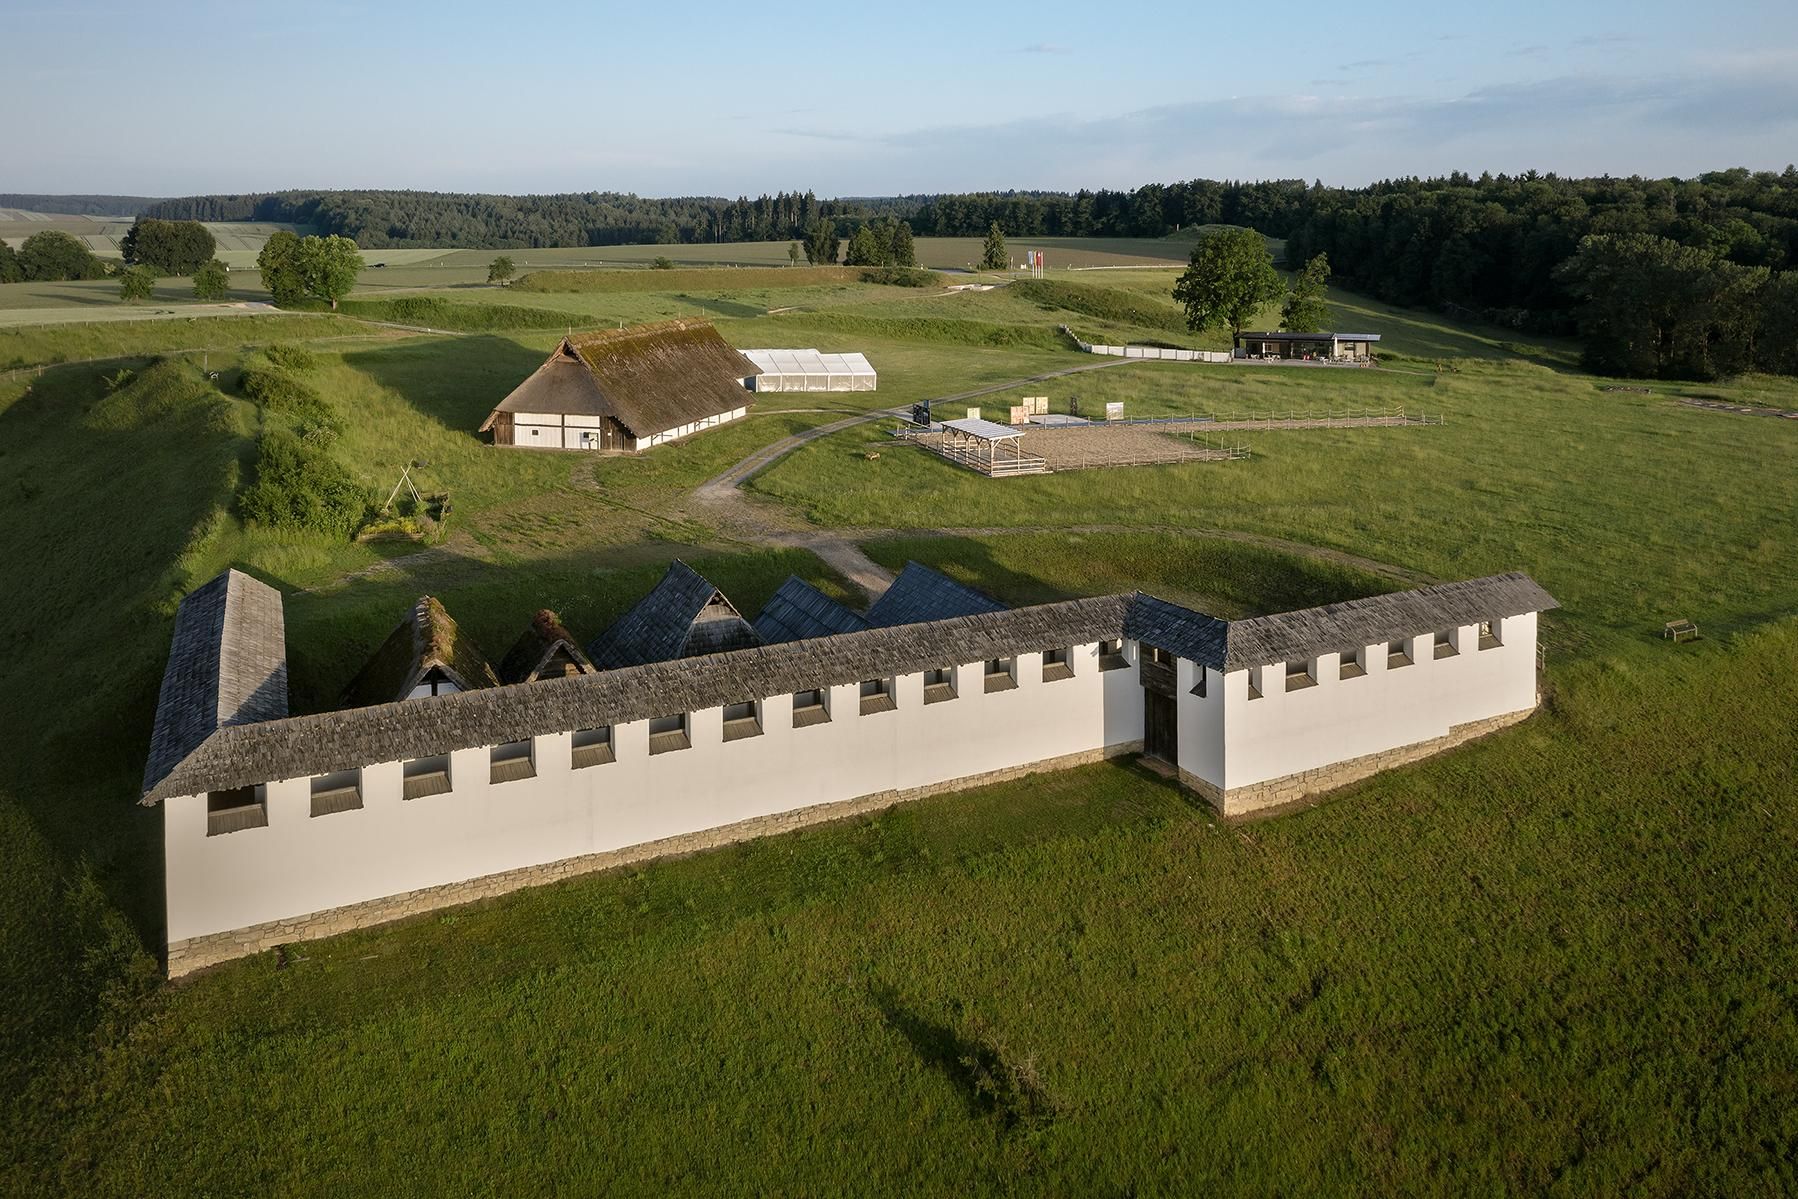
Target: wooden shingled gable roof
point(799, 610)
point(1291, 636)
point(428, 639)
point(649, 378)
point(227, 666)
point(544, 650)
point(920, 594)
point(683, 616)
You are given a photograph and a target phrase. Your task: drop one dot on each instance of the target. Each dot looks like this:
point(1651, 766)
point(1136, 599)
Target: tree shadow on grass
point(995, 1084)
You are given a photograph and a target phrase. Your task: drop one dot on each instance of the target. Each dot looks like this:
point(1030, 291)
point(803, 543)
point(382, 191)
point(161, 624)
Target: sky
point(179, 98)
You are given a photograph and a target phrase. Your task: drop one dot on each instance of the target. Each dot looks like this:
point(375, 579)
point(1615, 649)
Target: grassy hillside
point(1555, 960)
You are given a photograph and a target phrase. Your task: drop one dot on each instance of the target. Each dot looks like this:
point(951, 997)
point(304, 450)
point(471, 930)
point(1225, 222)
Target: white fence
point(1162, 353)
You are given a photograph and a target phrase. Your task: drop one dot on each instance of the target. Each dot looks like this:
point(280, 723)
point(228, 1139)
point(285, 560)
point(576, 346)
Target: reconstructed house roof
point(649, 378)
point(920, 594)
point(1291, 636)
point(426, 640)
point(799, 610)
point(227, 666)
point(545, 650)
point(682, 617)
point(332, 741)
point(235, 753)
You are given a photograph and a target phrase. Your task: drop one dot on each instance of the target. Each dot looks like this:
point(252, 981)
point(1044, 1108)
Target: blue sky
point(703, 98)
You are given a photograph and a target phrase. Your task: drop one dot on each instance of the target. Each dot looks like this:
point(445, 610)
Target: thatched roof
point(227, 666)
point(920, 594)
point(649, 378)
point(544, 650)
point(234, 753)
point(426, 640)
point(684, 616)
point(798, 610)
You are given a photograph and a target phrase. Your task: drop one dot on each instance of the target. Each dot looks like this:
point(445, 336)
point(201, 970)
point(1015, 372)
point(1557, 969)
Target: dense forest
point(119, 206)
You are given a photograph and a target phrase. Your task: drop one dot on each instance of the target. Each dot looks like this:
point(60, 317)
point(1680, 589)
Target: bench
point(1680, 630)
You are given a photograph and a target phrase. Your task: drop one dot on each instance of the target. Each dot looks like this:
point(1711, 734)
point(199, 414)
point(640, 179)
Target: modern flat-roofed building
point(281, 828)
point(1331, 347)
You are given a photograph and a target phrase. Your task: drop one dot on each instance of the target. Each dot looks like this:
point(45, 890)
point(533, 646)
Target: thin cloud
point(1046, 48)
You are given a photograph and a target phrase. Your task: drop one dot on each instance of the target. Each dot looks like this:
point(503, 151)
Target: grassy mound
point(705, 279)
point(1103, 303)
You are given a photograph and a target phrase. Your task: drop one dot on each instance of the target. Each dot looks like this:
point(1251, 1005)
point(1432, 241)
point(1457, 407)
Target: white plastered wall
point(1284, 732)
point(299, 864)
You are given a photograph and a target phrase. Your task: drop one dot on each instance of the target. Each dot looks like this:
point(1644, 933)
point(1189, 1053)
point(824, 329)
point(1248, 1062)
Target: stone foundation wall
point(196, 953)
point(1266, 797)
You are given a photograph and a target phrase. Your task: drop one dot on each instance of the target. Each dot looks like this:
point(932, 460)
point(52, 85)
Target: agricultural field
point(1578, 931)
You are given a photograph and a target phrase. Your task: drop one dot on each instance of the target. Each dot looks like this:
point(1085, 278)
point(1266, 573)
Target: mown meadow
point(1556, 960)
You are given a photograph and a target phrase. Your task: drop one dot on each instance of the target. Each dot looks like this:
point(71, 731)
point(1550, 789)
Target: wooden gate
point(1160, 727)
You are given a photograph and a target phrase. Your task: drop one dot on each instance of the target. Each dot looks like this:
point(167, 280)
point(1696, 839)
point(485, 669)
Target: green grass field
point(1558, 960)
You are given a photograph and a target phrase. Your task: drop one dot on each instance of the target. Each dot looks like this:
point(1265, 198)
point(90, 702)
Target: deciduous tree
point(168, 247)
point(328, 266)
point(1230, 279)
point(53, 255)
point(280, 266)
point(10, 270)
point(1305, 310)
point(793, 252)
point(211, 281)
point(136, 283)
point(500, 269)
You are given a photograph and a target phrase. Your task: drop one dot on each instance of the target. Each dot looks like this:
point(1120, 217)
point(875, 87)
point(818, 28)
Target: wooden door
point(1160, 725)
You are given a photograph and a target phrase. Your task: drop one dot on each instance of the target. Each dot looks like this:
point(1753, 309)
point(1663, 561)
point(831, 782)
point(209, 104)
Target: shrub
point(294, 358)
point(661, 262)
point(901, 276)
point(299, 487)
point(313, 417)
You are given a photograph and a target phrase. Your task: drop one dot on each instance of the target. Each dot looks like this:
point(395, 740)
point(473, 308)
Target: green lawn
point(1556, 960)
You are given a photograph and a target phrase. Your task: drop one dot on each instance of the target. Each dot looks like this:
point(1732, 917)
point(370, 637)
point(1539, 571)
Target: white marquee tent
point(809, 370)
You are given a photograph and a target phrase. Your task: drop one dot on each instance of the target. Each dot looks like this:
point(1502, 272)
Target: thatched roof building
point(626, 389)
point(546, 650)
point(426, 654)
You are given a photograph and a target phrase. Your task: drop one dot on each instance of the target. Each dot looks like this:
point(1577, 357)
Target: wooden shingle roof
point(221, 722)
point(1291, 636)
point(799, 610)
point(920, 594)
point(682, 617)
point(649, 378)
point(428, 639)
point(227, 667)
